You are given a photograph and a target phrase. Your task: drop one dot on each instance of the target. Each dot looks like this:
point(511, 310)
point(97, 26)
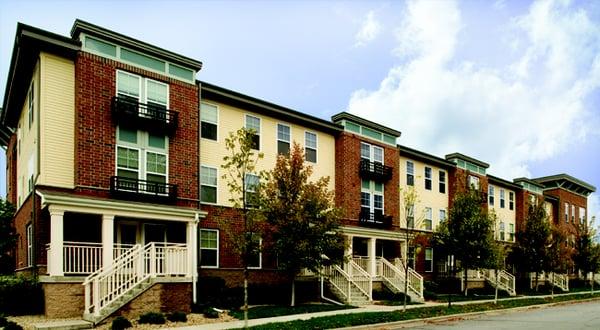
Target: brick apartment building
point(114, 154)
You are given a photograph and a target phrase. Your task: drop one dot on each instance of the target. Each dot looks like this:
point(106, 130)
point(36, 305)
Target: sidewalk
point(362, 309)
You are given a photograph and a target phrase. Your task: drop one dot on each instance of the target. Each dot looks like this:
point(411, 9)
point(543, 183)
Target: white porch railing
point(506, 281)
point(81, 258)
point(559, 280)
point(344, 283)
point(120, 248)
point(415, 280)
point(361, 278)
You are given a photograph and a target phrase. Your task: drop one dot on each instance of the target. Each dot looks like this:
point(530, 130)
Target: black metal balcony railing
point(374, 170)
point(128, 111)
point(374, 219)
point(142, 190)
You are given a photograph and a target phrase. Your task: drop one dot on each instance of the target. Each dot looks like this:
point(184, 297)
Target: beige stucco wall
point(426, 198)
point(231, 119)
point(27, 140)
point(57, 122)
point(504, 214)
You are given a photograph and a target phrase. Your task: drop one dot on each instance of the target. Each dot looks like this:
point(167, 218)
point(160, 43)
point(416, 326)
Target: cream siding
point(504, 214)
point(57, 121)
point(426, 198)
point(230, 119)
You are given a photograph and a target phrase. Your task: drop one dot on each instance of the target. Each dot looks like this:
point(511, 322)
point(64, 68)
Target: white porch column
point(371, 253)
point(348, 253)
point(55, 257)
point(108, 232)
point(191, 243)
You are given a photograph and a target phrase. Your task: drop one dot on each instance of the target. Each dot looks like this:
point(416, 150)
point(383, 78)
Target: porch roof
point(76, 203)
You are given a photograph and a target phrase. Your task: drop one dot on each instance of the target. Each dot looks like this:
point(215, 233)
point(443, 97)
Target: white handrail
point(506, 280)
point(397, 272)
point(561, 281)
point(361, 279)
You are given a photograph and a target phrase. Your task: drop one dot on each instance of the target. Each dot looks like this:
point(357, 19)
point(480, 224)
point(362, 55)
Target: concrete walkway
point(362, 309)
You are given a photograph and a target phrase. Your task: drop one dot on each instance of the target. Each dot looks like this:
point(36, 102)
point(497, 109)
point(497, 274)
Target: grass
point(260, 312)
point(347, 320)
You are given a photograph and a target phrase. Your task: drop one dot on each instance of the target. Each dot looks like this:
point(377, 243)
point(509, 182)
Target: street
point(574, 316)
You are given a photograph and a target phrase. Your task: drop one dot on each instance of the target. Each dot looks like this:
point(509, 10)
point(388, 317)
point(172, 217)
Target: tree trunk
point(536, 281)
point(466, 281)
point(245, 297)
point(496, 293)
point(293, 302)
point(552, 286)
point(405, 284)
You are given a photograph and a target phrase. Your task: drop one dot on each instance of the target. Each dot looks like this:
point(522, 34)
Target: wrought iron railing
point(374, 170)
point(142, 189)
point(374, 219)
point(128, 111)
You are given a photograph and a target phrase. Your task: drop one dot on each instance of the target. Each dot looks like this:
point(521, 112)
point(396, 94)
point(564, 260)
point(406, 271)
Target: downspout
point(323, 294)
point(37, 114)
point(197, 217)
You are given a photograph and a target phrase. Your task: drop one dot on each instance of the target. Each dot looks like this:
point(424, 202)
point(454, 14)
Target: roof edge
point(366, 122)
point(467, 158)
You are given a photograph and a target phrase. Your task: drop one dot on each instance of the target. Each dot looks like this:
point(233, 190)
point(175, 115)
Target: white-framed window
point(428, 219)
point(502, 231)
point(502, 203)
point(411, 256)
point(208, 184)
point(572, 213)
point(474, 182)
point(29, 234)
point(511, 200)
point(371, 153)
point(410, 216)
point(511, 232)
point(442, 176)
point(428, 260)
point(567, 212)
point(582, 215)
point(310, 147)
point(30, 104)
point(491, 195)
point(442, 215)
point(427, 178)
point(209, 121)
point(410, 173)
point(255, 256)
point(371, 197)
point(142, 155)
point(284, 138)
point(209, 248)
point(253, 123)
point(153, 93)
point(250, 184)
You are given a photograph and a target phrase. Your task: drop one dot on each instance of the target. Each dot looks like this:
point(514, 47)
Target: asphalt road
point(573, 316)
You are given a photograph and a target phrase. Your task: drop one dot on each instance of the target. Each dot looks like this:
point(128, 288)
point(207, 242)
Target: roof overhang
point(467, 158)
point(425, 157)
point(501, 182)
point(567, 182)
point(367, 123)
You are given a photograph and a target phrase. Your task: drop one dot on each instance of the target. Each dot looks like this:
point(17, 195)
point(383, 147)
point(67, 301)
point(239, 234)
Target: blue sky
point(513, 83)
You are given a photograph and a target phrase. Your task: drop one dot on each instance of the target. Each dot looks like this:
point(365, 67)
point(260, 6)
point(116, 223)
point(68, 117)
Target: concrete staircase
point(357, 297)
point(353, 287)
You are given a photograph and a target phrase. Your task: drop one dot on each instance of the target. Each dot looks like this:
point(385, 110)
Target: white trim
point(372, 148)
point(410, 173)
point(259, 255)
point(143, 147)
point(431, 269)
point(216, 186)
point(430, 218)
point(29, 237)
point(218, 249)
point(444, 182)
point(316, 148)
point(277, 136)
point(217, 123)
point(430, 178)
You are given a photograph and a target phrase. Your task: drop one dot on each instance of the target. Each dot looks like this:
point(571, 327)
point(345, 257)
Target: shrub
point(20, 296)
point(211, 313)
point(152, 318)
point(3, 320)
point(177, 317)
point(10, 325)
point(120, 323)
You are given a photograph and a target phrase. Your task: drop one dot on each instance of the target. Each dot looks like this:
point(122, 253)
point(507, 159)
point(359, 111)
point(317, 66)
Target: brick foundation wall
point(62, 300)
point(235, 278)
point(161, 297)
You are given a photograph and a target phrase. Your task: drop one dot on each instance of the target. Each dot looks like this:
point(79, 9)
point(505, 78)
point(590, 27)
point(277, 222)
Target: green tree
point(239, 167)
point(586, 256)
point(8, 237)
point(467, 234)
point(303, 220)
point(531, 252)
point(496, 259)
point(558, 255)
point(410, 228)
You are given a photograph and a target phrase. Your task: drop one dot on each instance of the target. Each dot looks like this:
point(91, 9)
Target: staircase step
point(64, 325)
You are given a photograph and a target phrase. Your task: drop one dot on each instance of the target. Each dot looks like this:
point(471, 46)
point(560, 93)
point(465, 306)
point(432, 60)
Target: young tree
point(533, 240)
point(240, 167)
point(8, 237)
point(467, 234)
point(586, 253)
point(412, 223)
point(558, 255)
point(303, 220)
point(496, 258)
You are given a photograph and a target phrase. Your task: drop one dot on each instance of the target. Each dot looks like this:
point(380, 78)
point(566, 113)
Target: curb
point(462, 316)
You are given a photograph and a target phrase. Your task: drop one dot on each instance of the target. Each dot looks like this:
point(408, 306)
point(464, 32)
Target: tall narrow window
point(511, 231)
point(428, 260)
point(310, 147)
point(283, 139)
point(442, 182)
point(29, 245)
point(502, 198)
point(371, 198)
point(567, 212)
point(410, 173)
point(129, 86)
point(581, 215)
point(410, 216)
point(209, 248)
point(428, 221)
point(30, 108)
point(502, 230)
point(491, 195)
point(255, 254)
point(474, 182)
point(442, 216)
point(377, 155)
point(209, 118)
point(411, 257)
point(253, 123)
point(251, 183)
point(428, 178)
point(208, 184)
point(572, 213)
point(511, 200)
point(365, 151)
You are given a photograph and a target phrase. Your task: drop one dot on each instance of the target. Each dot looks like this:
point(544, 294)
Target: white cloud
point(594, 211)
point(369, 30)
point(508, 116)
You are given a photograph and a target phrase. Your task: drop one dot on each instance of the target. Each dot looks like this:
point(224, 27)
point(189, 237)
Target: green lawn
point(347, 320)
point(260, 312)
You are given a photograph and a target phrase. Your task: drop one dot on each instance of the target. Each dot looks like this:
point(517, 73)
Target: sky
point(513, 83)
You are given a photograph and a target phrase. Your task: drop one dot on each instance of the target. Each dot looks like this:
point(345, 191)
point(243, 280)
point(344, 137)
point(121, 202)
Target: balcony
point(374, 171)
point(374, 219)
point(142, 190)
point(129, 112)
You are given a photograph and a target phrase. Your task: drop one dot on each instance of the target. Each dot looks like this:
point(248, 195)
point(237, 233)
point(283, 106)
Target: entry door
point(158, 234)
point(127, 237)
point(155, 233)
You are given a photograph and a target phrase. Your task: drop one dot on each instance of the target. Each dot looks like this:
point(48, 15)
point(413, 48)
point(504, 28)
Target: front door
point(156, 233)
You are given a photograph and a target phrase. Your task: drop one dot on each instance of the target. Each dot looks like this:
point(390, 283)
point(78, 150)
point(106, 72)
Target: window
point(491, 195)
point(310, 147)
point(371, 197)
point(442, 216)
point(410, 216)
point(442, 182)
point(253, 123)
point(30, 109)
point(572, 213)
point(428, 178)
point(502, 198)
point(250, 188)
point(411, 257)
point(511, 230)
point(209, 248)
point(567, 212)
point(283, 139)
point(208, 184)
point(502, 231)
point(428, 259)
point(474, 182)
point(141, 155)
point(255, 254)
point(209, 121)
point(371, 153)
point(410, 173)
point(29, 231)
point(428, 222)
point(581, 215)
point(511, 200)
